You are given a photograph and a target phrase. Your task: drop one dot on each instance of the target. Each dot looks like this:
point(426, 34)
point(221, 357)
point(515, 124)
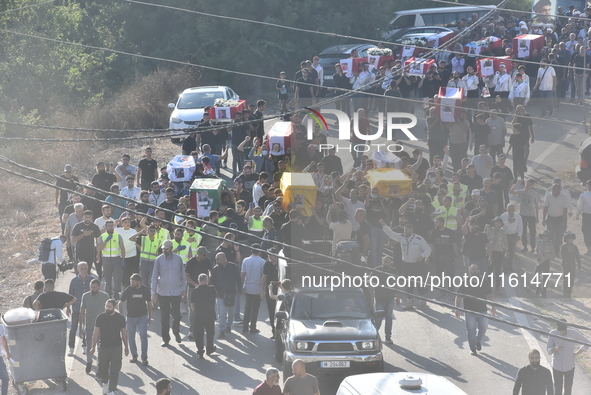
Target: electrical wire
point(295, 248)
point(436, 302)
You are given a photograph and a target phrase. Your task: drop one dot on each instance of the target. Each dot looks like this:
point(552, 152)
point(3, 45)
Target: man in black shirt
point(170, 204)
point(203, 300)
point(84, 237)
point(471, 179)
point(52, 299)
point(139, 315)
point(293, 232)
point(534, 379)
point(363, 234)
point(271, 278)
point(239, 133)
point(385, 296)
point(197, 265)
point(104, 180)
point(258, 114)
point(93, 201)
point(147, 171)
point(476, 325)
point(444, 246)
point(110, 328)
point(231, 250)
point(225, 277)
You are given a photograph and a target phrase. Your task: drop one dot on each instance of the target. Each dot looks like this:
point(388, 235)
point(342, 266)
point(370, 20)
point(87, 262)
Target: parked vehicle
point(333, 332)
point(416, 32)
point(583, 169)
point(438, 16)
point(397, 384)
point(188, 110)
point(332, 55)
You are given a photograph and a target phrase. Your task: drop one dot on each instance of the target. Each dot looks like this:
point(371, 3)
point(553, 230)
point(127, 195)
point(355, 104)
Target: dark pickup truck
point(332, 331)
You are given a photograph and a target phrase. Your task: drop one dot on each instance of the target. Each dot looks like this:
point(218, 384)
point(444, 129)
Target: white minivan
point(402, 383)
point(439, 16)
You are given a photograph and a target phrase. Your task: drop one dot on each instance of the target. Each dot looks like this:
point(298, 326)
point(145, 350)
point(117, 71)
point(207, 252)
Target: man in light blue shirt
point(254, 290)
point(168, 288)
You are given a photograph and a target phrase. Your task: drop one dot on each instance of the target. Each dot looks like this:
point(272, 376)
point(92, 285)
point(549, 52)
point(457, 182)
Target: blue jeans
point(387, 305)
point(4, 376)
point(476, 328)
point(376, 246)
point(141, 325)
point(548, 100)
point(225, 315)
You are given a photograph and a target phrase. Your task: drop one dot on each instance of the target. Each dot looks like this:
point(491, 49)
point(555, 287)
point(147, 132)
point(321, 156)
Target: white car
point(401, 383)
point(188, 110)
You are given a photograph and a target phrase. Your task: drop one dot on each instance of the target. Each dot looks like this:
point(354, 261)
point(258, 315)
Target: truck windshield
point(330, 305)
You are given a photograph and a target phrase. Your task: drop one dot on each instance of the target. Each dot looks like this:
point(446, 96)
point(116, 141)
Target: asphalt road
point(427, 340)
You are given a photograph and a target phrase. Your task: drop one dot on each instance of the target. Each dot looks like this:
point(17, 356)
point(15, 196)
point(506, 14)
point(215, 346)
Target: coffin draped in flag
point(349, 66)
point(449, 103)
point(419, 66)
point(377, 56)
point(524, 45)
point(475, 47)
point(225, 113)
point(413, 48)
point(280, 138)
point(438, 39)
point(489, 66)
point(181, 168)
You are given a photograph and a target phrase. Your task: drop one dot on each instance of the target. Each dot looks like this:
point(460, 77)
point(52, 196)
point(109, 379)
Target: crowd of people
point(138, 243)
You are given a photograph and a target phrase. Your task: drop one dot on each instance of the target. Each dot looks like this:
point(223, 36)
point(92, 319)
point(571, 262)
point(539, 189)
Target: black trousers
point(251, 311)
point(203, 326)
point(168, 305)
point(586, 228)
point(132, 265)
point(563, 377)
point(271, 305)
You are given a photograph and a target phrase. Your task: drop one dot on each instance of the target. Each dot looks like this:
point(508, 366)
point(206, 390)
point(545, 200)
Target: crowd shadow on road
point(428, 364)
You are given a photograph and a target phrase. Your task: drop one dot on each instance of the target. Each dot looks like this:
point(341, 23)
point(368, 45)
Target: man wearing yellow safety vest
point(191, 236)
point(149, 243)
point(458, 196)
point(112, 253)
point(181, 247)
point(255, 221)
point(449, 213)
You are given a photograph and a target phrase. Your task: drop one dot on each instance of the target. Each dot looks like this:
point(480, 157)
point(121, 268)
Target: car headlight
point(176, 120)
point(301, 345)
point(367, 345)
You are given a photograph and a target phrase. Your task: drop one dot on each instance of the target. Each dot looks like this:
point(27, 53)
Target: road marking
point(551, 148)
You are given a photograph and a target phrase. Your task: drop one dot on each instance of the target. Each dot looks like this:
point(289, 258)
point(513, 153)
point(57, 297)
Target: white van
point(402, 383)
point(440, 16)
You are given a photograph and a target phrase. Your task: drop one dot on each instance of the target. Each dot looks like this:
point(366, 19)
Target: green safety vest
point(458, 202)
point(194, 244)
point(257, 225)
point(112, 246)
point(163, 235)
point(149, 248)
point(184, 254)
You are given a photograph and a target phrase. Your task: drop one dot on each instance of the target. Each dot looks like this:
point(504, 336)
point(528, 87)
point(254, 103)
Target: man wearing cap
point(563, 356)
point(168, 288)
point(66, 181)
point(196, 266)
point(84, 236)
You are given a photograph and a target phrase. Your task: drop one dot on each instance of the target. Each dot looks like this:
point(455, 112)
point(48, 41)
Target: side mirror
point(379, 315)
point(170, 105)
point(282, 315)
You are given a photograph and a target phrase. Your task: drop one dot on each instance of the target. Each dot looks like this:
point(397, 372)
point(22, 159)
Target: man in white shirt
point(546, 84)
point(415, 250)
point(49, 267)
point(513, 225)
point(471, 81)
point(257, 189)
point(456, 82)
point(100, 221)
point(483, 162)
point(584, 208)
point(457, 64)
point(319, 69)
point(502, 83)
point(519, 93)
point(558, 181)
point(351, 204)
point(125, 169)
point(555, 215)
point(156, 195)
point(131, 191)
point(341, 229)
point(360, 81)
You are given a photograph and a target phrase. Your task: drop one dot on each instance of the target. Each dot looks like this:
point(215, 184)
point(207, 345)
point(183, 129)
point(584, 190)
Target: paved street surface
point(427, 340)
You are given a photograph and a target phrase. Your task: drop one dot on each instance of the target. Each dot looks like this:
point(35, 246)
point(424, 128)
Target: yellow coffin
point(299, 189)
point(390, 182)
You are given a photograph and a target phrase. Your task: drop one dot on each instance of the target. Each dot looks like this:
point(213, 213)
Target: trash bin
point(38, 349)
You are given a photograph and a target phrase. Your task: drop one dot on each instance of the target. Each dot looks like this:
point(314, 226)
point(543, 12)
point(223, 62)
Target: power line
point(295, 248)
point(493, 318)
